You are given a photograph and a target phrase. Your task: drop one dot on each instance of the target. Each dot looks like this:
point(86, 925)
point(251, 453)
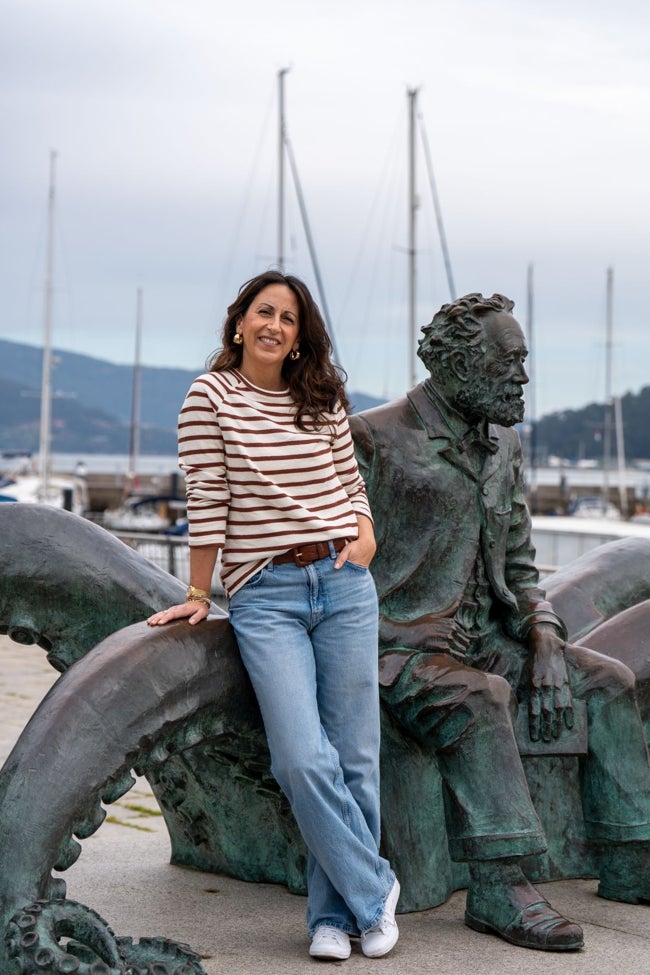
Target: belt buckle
point(298, 559)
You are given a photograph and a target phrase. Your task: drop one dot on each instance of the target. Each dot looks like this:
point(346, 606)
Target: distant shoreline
point(166, 464)
point(148, 464)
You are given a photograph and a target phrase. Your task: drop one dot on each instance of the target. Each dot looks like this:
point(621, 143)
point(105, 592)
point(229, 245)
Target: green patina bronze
point(454, 548)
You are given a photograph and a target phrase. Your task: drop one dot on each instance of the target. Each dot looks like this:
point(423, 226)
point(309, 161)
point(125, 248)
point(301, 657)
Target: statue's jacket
point(434, 513)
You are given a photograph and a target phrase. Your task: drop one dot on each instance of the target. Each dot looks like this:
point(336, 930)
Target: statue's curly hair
point(457, 327)
point(316, 384)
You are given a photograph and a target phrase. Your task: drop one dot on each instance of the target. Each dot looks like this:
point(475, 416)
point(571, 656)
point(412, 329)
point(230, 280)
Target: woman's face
point(269, 329)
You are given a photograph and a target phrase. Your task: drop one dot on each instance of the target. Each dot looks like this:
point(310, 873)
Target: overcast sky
point(164, 117)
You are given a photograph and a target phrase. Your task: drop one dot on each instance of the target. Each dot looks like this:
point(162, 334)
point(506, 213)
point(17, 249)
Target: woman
point(273, 483)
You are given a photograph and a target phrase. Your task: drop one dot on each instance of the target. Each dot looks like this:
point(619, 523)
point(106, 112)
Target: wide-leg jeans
point(308, 639)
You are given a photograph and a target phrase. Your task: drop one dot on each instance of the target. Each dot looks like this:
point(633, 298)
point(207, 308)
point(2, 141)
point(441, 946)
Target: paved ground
point(245, 929)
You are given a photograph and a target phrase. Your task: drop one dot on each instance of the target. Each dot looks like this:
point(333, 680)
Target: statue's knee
point(490, 692)
point(608, 676)
point(619, 677)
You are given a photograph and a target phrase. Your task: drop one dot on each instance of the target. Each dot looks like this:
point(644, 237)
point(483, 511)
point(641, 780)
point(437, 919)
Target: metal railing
point(171, 553)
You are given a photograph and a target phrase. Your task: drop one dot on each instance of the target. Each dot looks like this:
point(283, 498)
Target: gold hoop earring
point(294, 355)
point(238, 338)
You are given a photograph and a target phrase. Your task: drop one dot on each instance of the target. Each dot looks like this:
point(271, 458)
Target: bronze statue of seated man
point(467, 636)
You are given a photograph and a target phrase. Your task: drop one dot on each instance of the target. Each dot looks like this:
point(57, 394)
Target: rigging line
point(310, 243)
point(257, 157)
point(32, 317)
point(263, 251)
point(387, 297)
point(383, 215)
point(389, 161)
point(65, 294)
point(437, 208)
point(45, 434)
point(32, 320)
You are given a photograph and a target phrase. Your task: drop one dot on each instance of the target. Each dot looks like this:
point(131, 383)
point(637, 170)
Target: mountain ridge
point(91, 409)
point(91, 402)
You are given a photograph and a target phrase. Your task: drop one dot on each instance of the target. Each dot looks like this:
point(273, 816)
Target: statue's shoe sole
point(625, 895)
point(528, 932)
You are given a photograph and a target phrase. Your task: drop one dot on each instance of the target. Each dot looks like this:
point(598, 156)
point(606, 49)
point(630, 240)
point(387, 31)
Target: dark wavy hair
point(458, 326)
point(316, 384)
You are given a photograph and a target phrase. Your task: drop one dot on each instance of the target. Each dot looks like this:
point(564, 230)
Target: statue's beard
point(482, 398)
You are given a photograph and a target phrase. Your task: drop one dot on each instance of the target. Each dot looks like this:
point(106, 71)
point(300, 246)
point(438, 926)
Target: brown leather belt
point(304, 555)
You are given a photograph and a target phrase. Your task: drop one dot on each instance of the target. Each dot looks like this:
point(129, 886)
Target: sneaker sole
point(333, 955)
point(323, 957)
point(391, 904)
point(330, 951)
point(385, 949)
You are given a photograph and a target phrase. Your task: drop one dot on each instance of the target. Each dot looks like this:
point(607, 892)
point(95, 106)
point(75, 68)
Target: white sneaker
point(379, 940)
point(329, 942)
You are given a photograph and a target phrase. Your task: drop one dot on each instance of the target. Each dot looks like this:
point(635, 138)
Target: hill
point(578, 434)
point(91, 409)
point(91, 402)
point(76, 428)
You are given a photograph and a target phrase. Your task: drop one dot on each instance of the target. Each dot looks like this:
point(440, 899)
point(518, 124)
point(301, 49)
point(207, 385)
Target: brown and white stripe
point(258, 485)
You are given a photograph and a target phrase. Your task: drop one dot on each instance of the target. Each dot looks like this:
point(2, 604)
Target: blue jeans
point(308, 639)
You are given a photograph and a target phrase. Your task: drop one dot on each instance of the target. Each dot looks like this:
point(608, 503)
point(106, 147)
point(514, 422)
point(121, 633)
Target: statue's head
point(475, 349)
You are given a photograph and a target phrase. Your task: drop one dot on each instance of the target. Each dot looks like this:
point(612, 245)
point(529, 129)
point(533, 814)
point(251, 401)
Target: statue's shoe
point(625, 872)
point(628, 895)
point(537, 926)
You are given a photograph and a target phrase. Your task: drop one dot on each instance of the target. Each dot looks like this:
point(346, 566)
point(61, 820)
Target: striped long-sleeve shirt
point(257, 484)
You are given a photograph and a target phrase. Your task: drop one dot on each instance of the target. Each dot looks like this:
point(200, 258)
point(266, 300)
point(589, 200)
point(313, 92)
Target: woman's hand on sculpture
point(193, 611)
point(550, 705)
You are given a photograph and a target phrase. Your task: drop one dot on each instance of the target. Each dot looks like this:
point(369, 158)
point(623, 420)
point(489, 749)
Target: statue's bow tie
point(474, 438)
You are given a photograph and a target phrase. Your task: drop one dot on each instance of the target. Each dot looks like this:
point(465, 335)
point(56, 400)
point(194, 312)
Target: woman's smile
point(269, 330)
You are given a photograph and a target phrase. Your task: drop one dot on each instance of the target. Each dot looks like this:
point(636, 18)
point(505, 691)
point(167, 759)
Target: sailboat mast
point(612, 406)
point(412, 94)
point(285, 146)
point(311, 246)
point(620, 454)
point(281, 142)
point(46, 379)
point(607, 431)
point(442, 236)
point(134, 444)
point(531, 437)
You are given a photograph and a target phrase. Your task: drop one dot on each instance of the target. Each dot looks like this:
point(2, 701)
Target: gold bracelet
point(194, 595)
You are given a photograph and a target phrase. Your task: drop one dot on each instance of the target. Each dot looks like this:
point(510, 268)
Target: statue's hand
point(550, 706)
point(431, 632)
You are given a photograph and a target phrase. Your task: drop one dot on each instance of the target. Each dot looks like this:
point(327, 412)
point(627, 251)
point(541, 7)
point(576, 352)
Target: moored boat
point(20, 482)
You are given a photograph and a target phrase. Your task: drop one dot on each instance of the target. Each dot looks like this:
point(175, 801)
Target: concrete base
point(241, 928)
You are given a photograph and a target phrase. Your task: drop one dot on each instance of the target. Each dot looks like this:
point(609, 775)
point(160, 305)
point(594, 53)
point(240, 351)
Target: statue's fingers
point(457, 654)
point(560, 704)
point(547, 724)
point(548, 713)
point(459, 641)
point(547, 700)
point(534, 716)
point(556, 722)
